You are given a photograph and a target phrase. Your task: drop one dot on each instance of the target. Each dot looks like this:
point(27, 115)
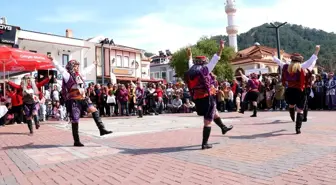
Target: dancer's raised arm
point(278, 61)
point(244, 77)
point(214, 60)
point(61, 69)
point(89, 69)
point(190, 60)
point(310, 63)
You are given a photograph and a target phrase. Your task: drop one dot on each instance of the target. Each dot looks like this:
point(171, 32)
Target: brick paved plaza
point(166, 151)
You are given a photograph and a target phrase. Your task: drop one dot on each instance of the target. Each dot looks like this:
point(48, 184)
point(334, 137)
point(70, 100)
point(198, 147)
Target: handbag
point(110, 99)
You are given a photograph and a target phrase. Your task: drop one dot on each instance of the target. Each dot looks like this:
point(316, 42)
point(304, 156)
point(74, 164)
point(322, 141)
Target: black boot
point(299, 118)
point(140, 113)
point(30, 126)
point(74, 127)
point(224, 128)
point(100, 124)
point(292, 114)
point(242, 109)
point(254, 111)
point(305, 114)
point(206, 135)
point(37, 122)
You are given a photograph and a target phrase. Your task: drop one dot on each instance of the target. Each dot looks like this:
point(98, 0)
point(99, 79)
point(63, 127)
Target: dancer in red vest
point(294, 77)
point(29, 91)
point(201, 87)
point(253, 86)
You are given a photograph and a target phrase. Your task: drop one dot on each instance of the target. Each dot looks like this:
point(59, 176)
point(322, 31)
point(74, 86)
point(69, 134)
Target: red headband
point(201, 58)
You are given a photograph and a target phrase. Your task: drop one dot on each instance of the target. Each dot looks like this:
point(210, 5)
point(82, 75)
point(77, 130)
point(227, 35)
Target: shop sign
point(7, 34)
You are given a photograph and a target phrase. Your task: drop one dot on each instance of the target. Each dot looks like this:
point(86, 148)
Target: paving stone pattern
point(261, 151)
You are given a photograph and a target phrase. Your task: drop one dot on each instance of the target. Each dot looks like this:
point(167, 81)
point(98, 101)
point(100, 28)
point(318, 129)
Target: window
point(118, 60)
point(85, 62)
point(126, 62)
point(151, 75)
point(157, 75)
point(170, 76)
point(164, 75)
point(65, 59)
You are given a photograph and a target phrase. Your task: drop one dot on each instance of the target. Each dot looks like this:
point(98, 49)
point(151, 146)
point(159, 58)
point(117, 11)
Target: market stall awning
point(14, 59)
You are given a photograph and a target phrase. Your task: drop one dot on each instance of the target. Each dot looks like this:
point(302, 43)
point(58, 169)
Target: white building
point(127, 63)
point(160, 69)
point(61, 48)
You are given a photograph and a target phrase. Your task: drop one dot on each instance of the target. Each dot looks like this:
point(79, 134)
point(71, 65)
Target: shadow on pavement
point(270, 123)
point(14, 133)
point(32, 146)
point(263, 135)
point(145, 151)
point(274, 122)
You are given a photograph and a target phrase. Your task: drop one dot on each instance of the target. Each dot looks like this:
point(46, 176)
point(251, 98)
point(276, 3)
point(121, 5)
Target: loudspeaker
point(42, 74)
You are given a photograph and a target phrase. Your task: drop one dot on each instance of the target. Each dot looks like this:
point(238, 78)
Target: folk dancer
point(73, 90)
point(253, 86)
point(330, 92)
point(30, 96)
point(308, 92)
point(199, 83)
point(293, 75)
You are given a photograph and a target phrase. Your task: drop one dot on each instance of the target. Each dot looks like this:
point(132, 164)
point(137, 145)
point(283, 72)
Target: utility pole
point(103, 42)
point(277, 27)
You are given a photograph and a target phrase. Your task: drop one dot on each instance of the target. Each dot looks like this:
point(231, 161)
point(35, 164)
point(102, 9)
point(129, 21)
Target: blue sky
point(155, 24)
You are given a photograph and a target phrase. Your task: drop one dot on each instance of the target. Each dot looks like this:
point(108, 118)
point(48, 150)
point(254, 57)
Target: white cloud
point(68, 15)
point(178, 26)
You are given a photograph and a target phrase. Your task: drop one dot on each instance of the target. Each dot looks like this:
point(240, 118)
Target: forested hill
point(293, 38)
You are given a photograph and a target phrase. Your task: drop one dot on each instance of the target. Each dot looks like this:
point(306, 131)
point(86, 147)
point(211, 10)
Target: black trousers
point(18, 113)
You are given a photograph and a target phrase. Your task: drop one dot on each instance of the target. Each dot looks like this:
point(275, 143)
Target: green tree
point(148, 54)
point(207, 47)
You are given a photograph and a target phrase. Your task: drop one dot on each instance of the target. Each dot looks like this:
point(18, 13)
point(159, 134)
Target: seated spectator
point(176, 105)
point(59, 111)
point(238, 101)
point(189, 106)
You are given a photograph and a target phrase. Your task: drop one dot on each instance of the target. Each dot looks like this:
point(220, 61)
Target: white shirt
point(309, 64)
point(231, 95)
point(56, 95)
point(177, 102)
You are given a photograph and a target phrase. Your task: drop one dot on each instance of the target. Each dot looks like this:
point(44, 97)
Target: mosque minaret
point(231, 29)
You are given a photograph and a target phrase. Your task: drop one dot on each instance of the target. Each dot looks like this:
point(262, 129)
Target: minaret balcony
point(232, 29)
point(230, 8)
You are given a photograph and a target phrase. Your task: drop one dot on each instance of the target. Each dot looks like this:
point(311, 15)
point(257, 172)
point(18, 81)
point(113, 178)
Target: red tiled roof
point(257, 51)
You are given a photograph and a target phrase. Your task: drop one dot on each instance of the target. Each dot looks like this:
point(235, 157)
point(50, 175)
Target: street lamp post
point(103, 42)
point(277, 27)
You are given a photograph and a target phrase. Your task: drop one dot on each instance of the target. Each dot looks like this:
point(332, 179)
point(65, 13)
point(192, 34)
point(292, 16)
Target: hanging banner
point(256, 71)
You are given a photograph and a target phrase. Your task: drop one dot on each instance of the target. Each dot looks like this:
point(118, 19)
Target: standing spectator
point(319, 93)
point(123, 99)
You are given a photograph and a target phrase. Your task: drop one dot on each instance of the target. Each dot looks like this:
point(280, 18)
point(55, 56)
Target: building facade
point(126, 63)
point(257, 59)
point(160, 69)
point(61, 48)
